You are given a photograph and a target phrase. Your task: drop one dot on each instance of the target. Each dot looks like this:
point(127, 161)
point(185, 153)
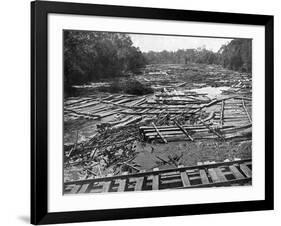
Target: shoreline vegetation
point(91, 57)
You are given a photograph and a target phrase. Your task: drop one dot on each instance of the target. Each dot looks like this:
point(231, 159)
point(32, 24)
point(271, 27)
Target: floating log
point(245, 109)
point(82, 114)
point(184, 131)
point(211, 129)
point(154, 112)
point(176, 133)
point(132, 120)
point(187, 127)
point(159, 134)
point(222, 113)
point(211, 116)
point(137, 102)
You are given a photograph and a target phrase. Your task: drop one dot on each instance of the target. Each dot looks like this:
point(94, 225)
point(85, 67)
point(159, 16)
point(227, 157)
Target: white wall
point(15, 113)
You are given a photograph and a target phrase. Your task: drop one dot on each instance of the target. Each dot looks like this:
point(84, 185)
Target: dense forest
point(181, 56)
point(236, 55)
point(90, 56)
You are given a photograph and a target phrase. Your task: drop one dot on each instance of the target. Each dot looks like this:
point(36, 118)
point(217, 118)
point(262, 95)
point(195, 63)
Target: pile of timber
point(100, 107)
point(230, 173)
point(175, 97)
point(193, 132)
point(231, 119)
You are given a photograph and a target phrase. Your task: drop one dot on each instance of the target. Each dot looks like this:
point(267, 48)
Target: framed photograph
point(145, 112)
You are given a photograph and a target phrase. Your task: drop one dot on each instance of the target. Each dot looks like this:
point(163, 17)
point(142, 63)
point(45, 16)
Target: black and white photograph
point(149, 112)
point(140, 112)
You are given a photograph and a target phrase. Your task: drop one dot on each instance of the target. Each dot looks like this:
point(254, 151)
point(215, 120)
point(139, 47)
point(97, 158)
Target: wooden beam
point(245, 109)
point(106, 186)
point(75, 189)
point(184, 131)
point(155, 180)
point(211, 129)
point(204, 177)
point(158, 132)
point(139, 184)
point(84, 188)
point(236, 172)
point(184, 178)
point(222, 113)
point(245, 169)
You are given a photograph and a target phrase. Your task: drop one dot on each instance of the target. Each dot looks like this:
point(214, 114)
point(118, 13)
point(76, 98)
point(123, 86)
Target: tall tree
point(90, 56)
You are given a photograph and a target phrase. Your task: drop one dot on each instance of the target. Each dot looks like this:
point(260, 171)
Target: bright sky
point(172, 43)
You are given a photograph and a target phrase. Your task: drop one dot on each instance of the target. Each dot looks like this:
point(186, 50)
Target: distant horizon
point(158, 43)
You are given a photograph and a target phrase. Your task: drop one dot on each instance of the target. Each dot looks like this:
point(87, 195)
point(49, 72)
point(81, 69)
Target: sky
point(172, 43)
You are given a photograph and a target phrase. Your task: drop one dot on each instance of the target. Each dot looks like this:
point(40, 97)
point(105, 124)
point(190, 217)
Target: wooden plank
point(167, 107)
point(86, 105)
point(215, 175)
point(75, 189)
point(171, 181)
point(155, 180)
point(106, 186)
point(184, 131)
point(236, 172)
point(107, 113)
point(219, 184)
point(192, 128)
point(122, 101)
point(139, 183)
point(175, 137)
point(245, 109)
point(211, 129)
point(122, 184)
point(204, 177)
point(158, 132)
point(234, 116)
point(167, 177)
point(198, 132)
point(246, 170)
point(82, 114)
point(67, 188)
point(136, 102)
point(133, 119)
point(148, 128)
point(84, 188)
point(184, 179)
point(220, 174)
point(222, 113)
point(210, 116)
point(108, 97)
point(144, 112)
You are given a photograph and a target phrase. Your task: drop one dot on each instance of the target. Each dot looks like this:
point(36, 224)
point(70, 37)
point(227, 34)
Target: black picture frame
point(39, 112)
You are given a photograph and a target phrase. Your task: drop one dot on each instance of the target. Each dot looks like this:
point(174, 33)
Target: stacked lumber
point(193, 132)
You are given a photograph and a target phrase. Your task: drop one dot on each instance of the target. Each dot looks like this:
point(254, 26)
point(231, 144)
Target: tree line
point(90, 56)
point(181, 56)
point(236, 55)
